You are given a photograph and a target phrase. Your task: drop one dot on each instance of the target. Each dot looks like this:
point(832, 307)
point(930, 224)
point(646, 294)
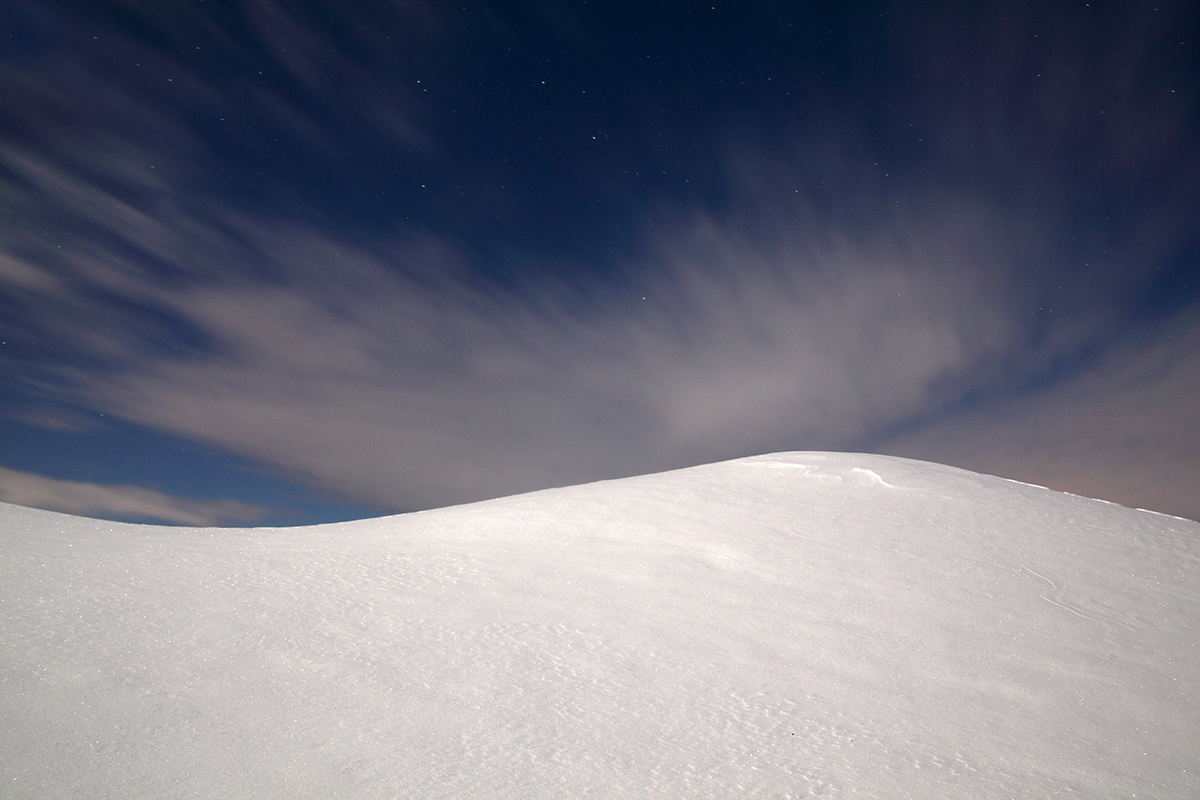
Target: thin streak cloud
point(449, 389)
point(1127, 429)
point(87, 499)
point(341, 249)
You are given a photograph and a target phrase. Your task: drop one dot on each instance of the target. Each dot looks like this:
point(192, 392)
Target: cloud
point(124, 502)
point(399, 378)
point(404, 393)
point(834, 297)
point(1125, 430)
point(393, 373)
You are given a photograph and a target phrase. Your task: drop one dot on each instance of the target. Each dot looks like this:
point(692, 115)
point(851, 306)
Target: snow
point(791, 625)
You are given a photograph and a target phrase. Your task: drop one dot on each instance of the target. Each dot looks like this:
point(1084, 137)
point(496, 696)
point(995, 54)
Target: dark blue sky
point(278, 263)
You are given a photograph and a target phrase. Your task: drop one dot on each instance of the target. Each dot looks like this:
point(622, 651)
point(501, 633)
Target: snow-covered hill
point(788, 625)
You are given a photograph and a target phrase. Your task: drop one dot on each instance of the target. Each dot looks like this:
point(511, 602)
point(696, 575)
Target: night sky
point(278, 263)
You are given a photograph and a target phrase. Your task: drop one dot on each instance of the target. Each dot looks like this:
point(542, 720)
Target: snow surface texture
point(791, 625)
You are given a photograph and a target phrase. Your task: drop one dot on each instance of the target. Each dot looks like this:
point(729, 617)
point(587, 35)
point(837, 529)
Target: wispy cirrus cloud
point(836, 298)
point(398, 377)
point(1126, 429)
point(422, 390)
point(107, 501)
point(395, 375)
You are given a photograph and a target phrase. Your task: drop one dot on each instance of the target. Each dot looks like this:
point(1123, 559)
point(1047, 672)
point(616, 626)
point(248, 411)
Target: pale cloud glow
point(394, 376)
point(963, 285)
point(1126, 430)
point(101, 500)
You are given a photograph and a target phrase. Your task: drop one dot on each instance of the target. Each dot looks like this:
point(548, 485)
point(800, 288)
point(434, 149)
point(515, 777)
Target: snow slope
point(788, 625)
